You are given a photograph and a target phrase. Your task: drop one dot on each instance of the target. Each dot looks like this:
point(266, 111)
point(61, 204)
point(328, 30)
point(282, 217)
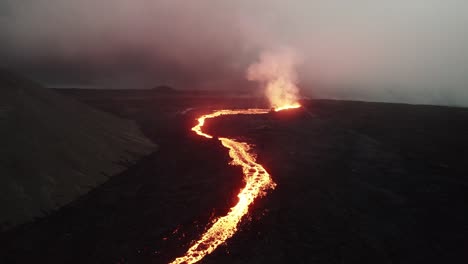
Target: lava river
point(257, 182)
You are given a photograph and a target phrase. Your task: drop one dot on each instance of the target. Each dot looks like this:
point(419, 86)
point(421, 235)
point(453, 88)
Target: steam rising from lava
point(276, 70)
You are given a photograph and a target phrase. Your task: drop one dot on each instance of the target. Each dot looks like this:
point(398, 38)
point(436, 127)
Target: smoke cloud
point(276, 72)
point(412, 51)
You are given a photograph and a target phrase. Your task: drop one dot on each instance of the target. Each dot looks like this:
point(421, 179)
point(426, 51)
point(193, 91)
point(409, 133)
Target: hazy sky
point(400, 50)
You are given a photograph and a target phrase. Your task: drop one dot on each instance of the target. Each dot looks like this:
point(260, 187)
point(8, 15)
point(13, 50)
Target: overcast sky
point(401, 50)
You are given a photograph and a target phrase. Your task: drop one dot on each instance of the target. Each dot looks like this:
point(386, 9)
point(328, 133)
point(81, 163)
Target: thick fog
point(401, 50)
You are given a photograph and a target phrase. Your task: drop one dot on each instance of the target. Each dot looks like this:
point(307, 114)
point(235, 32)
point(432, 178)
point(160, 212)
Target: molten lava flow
point(257, 182)
point(286, 107)
point(201, 120)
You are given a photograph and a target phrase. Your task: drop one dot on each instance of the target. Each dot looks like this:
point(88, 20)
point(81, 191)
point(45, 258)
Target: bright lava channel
point(257, 182)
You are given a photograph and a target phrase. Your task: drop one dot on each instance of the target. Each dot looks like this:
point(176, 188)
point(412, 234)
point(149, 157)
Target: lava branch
point(257, 182)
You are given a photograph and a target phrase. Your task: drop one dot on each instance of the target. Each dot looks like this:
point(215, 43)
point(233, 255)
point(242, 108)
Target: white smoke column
point(276, 71)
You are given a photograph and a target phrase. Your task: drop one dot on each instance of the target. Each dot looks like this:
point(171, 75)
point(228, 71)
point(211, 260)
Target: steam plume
point(276, 71)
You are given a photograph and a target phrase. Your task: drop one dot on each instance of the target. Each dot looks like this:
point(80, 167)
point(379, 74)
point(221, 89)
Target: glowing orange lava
point(257, 182)
point(288, 106)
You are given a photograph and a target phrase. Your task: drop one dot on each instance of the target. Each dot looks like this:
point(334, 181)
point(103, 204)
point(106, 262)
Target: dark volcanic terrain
point(357, 183)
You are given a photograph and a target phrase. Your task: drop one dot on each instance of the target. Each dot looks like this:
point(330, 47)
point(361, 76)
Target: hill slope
point(55, 148)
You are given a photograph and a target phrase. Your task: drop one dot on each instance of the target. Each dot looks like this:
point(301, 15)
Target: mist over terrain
point(401, 51)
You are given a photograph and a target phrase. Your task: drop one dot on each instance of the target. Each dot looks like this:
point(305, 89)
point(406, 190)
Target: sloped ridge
point(55, 148)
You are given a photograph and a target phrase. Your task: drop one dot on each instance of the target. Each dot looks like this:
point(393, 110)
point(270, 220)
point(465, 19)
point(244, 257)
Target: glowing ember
point(257, 182)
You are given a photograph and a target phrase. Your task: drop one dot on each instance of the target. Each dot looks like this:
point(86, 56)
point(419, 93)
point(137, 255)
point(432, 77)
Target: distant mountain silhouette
point(54, 148)
point(164, 89)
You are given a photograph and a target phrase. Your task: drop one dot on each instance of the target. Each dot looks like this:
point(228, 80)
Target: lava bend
point(257, 182)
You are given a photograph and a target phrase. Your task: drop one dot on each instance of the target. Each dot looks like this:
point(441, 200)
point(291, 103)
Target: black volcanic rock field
point(357, 183)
